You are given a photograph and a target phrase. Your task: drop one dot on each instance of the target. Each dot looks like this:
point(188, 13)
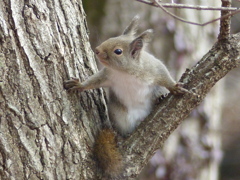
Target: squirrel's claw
point(179, 90)
point(73, 85)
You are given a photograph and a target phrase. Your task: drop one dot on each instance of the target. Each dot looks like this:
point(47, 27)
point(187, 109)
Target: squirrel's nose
point(100, 53)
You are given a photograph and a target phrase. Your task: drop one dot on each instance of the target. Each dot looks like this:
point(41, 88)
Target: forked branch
point(153, 132)
point(223, 57)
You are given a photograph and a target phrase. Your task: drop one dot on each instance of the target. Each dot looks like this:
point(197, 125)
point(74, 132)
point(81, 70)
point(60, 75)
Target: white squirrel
point(135, 79)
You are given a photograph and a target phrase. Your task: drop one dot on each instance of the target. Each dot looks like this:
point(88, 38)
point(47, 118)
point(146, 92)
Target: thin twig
point(185, 6)
point(157, 4)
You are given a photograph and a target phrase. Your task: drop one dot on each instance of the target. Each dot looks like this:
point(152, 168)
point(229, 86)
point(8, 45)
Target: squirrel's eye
point(118, 51)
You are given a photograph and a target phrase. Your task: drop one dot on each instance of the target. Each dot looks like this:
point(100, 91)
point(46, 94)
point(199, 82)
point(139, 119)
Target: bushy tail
point(107, 153)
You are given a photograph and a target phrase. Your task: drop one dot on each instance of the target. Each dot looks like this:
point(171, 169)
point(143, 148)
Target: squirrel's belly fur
point(134, 94)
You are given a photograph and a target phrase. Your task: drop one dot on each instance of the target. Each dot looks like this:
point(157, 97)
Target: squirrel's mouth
point(104, 62)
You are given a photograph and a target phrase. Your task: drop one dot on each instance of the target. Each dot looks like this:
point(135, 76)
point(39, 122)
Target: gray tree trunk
point(46, 133)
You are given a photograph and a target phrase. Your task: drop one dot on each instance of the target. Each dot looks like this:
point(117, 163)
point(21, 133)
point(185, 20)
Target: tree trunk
point(43, 134)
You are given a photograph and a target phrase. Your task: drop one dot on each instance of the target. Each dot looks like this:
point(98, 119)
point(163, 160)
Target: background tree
point(49, 134)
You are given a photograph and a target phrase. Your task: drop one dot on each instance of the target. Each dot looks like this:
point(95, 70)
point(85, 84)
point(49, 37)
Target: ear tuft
point(147, 35)
point(132, 27)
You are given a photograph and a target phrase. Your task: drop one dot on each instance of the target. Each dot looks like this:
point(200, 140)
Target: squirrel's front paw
point(73, 85)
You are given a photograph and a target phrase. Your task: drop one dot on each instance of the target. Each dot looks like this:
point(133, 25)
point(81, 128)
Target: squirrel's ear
point(132, 27)
point(137, 44)
point(146, 36)
point(135, 47)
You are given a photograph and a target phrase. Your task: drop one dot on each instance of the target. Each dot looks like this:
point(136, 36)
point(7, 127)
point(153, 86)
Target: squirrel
point(135, 79)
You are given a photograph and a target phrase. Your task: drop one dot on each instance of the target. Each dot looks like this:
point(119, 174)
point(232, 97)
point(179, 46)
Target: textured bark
point(46, 133)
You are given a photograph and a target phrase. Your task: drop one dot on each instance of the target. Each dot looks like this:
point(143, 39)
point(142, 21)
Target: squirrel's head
point(119, 52)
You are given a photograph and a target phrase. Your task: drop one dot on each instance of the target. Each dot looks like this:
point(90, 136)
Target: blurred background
point(206, 146)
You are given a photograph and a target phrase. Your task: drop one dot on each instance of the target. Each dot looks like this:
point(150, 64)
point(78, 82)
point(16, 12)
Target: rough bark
point(46, 133)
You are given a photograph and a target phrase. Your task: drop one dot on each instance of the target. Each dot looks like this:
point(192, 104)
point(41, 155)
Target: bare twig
point(225, 22)
point(185, 6)
point(157, 4)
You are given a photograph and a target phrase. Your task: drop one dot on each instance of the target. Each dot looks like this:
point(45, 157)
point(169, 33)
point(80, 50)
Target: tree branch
point(225, 22)
point(162, 6)
point(174, 109)
point(186, 6)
